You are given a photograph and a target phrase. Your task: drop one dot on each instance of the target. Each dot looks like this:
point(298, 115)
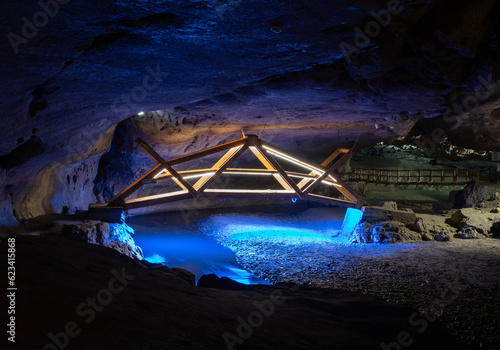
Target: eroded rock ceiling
point(305, 75)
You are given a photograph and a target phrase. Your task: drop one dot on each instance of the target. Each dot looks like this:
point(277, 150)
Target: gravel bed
point(457, 281)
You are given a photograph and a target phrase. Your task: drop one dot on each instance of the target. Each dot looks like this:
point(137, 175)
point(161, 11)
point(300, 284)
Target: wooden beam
point(220, 167)
point(329, 200)
point(180, 180)
point(330, 170)
point(208, 151)
point(349, 191)
point(119, 199)
point(302, 159)
point(334, 155)
point(251, 195)
point(269, 161)
point(156, 199)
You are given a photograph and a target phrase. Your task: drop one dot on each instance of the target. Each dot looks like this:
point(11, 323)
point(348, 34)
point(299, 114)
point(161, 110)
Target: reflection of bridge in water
point(195, 183)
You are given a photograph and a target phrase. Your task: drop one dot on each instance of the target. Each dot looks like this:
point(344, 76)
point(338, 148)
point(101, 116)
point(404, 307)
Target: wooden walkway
point(440, 177)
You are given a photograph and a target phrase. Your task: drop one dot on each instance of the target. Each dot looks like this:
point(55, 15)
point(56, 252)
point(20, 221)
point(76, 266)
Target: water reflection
point(178, 245)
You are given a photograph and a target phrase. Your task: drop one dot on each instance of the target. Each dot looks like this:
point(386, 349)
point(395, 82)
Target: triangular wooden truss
point(266, 153)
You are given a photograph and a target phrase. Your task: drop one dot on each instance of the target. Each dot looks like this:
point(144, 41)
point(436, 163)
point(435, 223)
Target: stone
point(417, 226)
point(468, 232)
point(213, 281)
point(115, 236)
point(383, 214)
point(184, 275)
point(384, 232)
point(495, 230)
point(442, 237)
point(94, 232)
point(473, 194)
point(388, 205)
point(495, 211)
point(473, 220)
point(458, 219)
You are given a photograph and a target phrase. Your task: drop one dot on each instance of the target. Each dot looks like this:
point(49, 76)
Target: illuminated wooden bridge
point(293, 184)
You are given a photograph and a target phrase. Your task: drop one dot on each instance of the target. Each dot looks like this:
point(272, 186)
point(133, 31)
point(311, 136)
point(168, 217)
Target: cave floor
point(83, 296)
point(457, 281)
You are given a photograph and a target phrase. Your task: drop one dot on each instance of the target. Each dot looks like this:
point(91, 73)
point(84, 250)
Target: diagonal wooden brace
point(273, 163)
point(152, 153)
point(330, 170)
point(222, 165)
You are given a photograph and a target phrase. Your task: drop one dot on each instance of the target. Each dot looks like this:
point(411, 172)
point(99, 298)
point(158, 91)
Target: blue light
point(155, 259)
point(188, 249)
point(351, 219)
point(312, 227)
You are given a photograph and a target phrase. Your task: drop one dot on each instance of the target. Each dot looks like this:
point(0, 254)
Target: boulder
point(442, 237)
point(495, 230)
point(458, 219)
point(473, 194)
point(90, 231)
point(384, 214)
point(115, 236)
point(471, 223)
point(384, 232)
point(390, 205)
point(417, 226)
point(182, 274)
point(469, 232)
point(213, 281)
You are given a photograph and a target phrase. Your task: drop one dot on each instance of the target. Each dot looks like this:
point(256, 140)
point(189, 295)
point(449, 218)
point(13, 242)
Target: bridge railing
point(441, 177)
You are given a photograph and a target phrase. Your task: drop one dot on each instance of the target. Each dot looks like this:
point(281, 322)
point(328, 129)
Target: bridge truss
point(293, 184)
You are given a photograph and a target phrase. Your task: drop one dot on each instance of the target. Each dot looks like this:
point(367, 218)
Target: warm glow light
point(249, 173)
point(156, 196)
point(164, 171)
point(252, 173)
point(298, 162)
point(249, 191)
point(198, 175)
point(293, 160)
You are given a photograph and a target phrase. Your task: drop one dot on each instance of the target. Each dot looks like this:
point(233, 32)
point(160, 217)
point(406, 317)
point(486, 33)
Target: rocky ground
point(456, 280)
point(75, 295)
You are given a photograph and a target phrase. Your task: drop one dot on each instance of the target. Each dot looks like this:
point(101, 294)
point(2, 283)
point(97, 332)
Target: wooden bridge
point(293, 184)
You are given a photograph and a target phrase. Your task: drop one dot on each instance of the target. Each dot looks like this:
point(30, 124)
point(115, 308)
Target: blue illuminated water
point(179, 244)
